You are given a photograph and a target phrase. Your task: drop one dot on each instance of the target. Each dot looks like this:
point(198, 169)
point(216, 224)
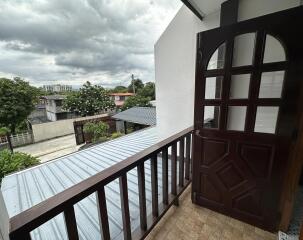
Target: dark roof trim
point(193, 9)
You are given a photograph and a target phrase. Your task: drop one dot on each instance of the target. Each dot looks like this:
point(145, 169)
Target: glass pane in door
point(271, 84)
point(236, 118)
point(217, 59)
point(239, 87)
point(213, 87)
point(266, 119)
point(211, 116)
point(244, 46)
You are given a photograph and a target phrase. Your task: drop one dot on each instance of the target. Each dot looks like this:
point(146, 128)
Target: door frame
point(294, 171)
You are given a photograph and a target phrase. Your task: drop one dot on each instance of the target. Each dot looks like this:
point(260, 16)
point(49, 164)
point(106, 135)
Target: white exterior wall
point(51, 116)
point(175, 61)
point(175, 54)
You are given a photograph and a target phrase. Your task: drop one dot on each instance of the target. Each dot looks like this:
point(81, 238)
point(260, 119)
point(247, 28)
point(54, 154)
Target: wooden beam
point(193, 9)
point(229, 12)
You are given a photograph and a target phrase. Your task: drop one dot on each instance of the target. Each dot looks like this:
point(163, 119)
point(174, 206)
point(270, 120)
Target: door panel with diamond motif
point(246, 106)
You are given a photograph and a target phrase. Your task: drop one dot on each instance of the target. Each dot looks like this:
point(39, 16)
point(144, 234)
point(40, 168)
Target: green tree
point(136, 101)
point(89, 100)
point(136, 84)
point(148, 91)
point(17, 101)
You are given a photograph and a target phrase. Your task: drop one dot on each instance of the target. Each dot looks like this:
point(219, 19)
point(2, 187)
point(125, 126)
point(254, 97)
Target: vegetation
point(148, 91)
point(89, 100)
point(136, 101)
point(17, 101)
point(136, 84)
point(116, 135)
point(98, 131)
point(4, 131)
point(11, 162)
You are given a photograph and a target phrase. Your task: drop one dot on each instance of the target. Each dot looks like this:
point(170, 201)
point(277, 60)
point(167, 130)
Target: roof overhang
point(201, 8)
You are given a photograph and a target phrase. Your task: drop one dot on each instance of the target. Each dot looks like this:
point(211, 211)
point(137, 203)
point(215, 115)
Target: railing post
point(71, 223)
point(103, 217)
point(154, 184)
point(181, 162)
point(165, 176)
point(187, 163)
point(174, 169)
point(142, 196)
point(125, 207)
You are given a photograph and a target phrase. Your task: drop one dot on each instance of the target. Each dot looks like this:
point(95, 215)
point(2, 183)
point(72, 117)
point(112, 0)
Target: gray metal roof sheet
point(140, 115)
point(29, 187)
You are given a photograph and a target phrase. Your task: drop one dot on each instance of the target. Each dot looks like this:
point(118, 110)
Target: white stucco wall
point(175, 54)
point(175, 61)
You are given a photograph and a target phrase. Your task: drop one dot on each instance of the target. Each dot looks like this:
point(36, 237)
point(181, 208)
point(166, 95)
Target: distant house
point(38, 115)
point(119, 98)
point(54, 110)
point(57, 88)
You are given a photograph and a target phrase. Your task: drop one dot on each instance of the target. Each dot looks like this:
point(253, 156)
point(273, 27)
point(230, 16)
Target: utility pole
point(133, 83)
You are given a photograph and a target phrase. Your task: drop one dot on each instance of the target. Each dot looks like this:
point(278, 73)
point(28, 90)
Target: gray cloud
point(103, 41)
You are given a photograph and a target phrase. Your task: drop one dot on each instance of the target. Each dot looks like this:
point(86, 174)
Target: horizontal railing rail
point(22, 224)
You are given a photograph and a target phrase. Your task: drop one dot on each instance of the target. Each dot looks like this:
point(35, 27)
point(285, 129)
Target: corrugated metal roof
point(140, 115)
point(27, 188)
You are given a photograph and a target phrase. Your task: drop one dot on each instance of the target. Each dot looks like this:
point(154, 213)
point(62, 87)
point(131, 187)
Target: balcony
point(126, 199)
point(146, 195)
point(189, 221)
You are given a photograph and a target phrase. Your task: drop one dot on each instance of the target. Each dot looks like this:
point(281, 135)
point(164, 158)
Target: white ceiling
point(206, 7)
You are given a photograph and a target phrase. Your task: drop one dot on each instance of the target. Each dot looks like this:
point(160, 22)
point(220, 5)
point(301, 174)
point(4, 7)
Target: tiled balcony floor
point(190, 222)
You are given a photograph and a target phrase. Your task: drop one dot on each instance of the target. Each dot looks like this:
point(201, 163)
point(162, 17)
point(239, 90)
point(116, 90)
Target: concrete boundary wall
point(45, 131)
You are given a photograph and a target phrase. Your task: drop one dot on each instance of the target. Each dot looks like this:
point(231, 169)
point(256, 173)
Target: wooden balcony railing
point(22, 224)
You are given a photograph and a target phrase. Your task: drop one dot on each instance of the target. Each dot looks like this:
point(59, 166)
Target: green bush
point(99, 130)
point(4, 131)
point(116, 135)
point(89, 127)
point(12, 162)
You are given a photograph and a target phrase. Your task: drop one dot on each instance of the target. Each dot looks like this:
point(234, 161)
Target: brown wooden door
point(246, 106)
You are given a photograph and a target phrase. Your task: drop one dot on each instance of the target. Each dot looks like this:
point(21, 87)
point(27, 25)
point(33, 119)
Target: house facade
point(119, 98)
point(54, 109)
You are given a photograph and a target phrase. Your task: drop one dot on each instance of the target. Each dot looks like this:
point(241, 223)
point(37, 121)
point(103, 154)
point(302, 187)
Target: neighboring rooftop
point(140, 115)
point(29, 187)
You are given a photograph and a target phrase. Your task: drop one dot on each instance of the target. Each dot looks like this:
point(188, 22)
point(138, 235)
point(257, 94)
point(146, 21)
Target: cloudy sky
point(72, 41)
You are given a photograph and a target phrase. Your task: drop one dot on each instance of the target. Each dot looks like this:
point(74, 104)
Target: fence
point(21, 139)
